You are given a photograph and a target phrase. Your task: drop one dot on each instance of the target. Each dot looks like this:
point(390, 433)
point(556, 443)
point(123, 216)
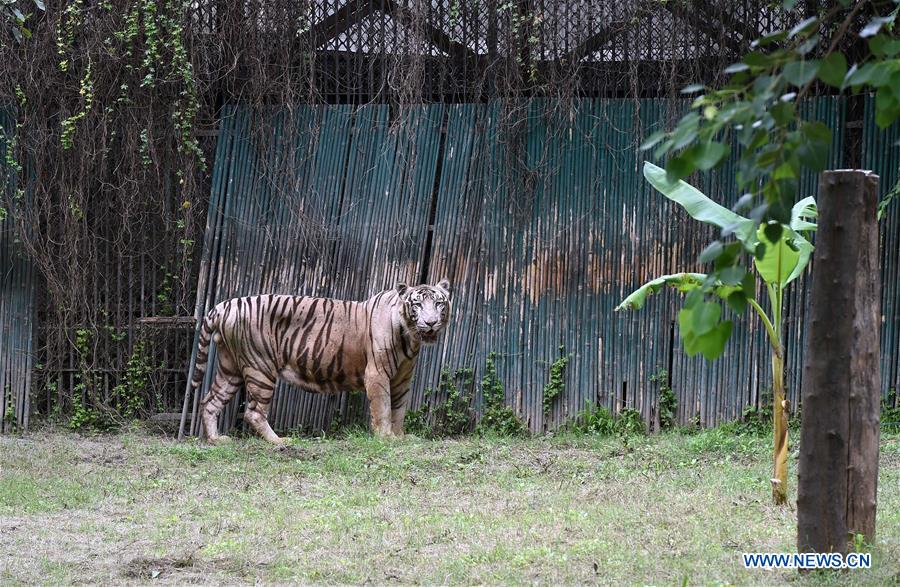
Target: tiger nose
point(431, 323)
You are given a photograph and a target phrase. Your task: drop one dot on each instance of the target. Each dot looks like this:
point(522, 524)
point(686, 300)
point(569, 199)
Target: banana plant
point(780, 254)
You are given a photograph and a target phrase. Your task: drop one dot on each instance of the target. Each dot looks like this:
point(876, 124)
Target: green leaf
point(680, 166)
point(875, 74)
point(757, 59)
point(737, 301)
point(833, 69)
point(685, 321)
point(802, 26)
point(875, 25)
point(785, 171)
point(736, 68)
point(686, 130)
point(886, 117)
point(732, 275)
point(802, 212)
point(884, 46)
point(748, 285)
point(654, 138)
point(699, 206)
point(783, 112)
point(779, 261)
point(768, 157)
point(799, 73)
point(693, 89)
point(784, 194)
point(705, 317)
point(663, 148)
point(711, 252)
point(773, 37)
point(887, 107)
point(808, 45)
point(707, 155)
point(773, 232)
point(730, 253)
point(813, 156)
point(688, 283)
point(683, 282)
point(712, 344)
point(813, 151)
point(816, 131)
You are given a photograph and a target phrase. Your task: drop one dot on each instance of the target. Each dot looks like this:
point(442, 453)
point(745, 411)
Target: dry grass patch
point(136, 508)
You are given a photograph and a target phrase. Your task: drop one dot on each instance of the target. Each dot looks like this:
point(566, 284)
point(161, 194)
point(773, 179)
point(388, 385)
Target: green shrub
point(416, 422)
point(599, 421)
point(498, 418)
point(129, 395)
point(453, 415)
point(596, 420)
point(758, 418)
point(630, 423)
point(88, 419)
point(667, 404)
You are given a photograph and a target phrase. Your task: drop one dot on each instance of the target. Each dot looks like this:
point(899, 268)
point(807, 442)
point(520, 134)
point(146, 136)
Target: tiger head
point(427, 308)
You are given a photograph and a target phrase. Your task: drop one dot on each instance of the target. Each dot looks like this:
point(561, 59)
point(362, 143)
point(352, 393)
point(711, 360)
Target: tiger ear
point(401, 289)
point(444, 284)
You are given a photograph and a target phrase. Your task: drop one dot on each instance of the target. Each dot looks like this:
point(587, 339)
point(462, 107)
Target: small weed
point(453, 415)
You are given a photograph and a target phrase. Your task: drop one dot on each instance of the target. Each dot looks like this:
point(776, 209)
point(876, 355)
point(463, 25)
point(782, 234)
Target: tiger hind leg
point(222, 389)
point(259, 399)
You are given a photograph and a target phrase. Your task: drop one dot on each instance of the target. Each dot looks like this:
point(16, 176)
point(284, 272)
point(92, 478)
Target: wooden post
point(838, 468)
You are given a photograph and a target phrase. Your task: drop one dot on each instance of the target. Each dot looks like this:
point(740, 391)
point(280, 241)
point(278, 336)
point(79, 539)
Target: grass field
point(673, 509)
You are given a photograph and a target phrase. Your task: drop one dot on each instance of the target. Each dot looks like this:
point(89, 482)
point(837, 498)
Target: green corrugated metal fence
point(16, 311)
point(881, 152)
point(540, 245)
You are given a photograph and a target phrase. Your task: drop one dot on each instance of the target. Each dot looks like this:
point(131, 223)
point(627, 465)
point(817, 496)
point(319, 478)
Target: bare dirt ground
point(137, 508)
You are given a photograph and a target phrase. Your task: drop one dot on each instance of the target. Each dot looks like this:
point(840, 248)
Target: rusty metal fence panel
point(540, 246)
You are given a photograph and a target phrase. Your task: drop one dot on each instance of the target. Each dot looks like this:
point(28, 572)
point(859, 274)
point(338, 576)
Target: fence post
point(839, 436)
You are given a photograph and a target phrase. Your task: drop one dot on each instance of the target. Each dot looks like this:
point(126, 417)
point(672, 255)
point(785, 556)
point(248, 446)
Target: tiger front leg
point(378, 390)
point(399, 403)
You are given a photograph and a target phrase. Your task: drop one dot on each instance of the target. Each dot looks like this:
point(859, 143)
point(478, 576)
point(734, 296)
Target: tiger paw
point(219, 440)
